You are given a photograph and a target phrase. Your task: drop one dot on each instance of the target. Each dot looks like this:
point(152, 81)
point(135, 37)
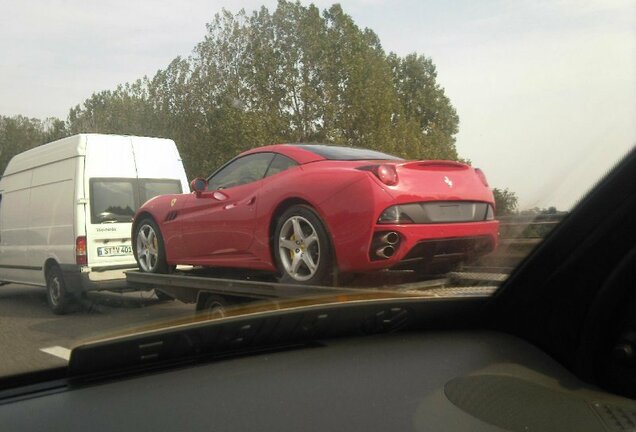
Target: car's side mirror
point(198, 185)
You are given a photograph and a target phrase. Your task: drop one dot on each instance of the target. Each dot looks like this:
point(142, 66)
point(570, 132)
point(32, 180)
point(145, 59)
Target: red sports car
point(306, 211)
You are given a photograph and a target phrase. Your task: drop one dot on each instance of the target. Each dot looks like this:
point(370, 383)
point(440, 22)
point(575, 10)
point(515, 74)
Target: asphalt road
point(27, 326)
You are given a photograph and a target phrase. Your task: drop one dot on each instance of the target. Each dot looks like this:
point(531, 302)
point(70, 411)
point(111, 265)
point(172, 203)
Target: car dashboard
point(427, 380)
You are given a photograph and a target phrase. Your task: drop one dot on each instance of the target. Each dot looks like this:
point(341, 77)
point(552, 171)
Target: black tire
point(296, 257)
point(162, 295)
point(148, 249)
point(57, 295)
point(214, 306)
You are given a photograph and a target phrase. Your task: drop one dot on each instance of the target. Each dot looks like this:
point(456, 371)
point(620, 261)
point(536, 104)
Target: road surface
point(33, 338)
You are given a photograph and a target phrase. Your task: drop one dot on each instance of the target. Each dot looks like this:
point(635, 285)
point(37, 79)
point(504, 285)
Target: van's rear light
point(80, 251)
point(481, 176)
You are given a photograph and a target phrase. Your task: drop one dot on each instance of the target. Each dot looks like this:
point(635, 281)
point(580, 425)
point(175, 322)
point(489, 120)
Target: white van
point(66, 209)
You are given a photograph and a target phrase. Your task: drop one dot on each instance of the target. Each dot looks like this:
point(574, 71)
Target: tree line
point(19, 133)
point(294, 74)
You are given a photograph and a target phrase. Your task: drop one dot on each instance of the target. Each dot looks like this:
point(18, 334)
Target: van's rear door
point(159, 167)
point(112, 197)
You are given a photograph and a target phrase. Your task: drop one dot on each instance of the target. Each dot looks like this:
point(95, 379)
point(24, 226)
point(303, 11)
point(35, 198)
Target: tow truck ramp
point(192, 287)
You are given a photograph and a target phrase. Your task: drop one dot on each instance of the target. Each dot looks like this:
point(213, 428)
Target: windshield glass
point(453, 139)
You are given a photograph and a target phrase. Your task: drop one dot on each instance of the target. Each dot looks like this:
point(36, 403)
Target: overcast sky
point(545, 90)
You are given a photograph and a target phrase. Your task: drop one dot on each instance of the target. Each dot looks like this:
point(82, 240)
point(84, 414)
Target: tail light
point(395, 216)
point(481, 176)
point(386, 173)
point(490, 214)
point(80, 251)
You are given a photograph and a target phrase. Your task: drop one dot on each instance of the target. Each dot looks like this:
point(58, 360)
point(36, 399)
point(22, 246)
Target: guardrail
point(518, 235)
point(528, 226)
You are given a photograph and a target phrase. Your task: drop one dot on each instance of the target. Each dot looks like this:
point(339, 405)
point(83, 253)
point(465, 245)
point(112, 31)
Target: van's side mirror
point(198, 185)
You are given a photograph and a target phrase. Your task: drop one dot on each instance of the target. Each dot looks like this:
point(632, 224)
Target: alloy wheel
point(299, 248)
point(147, 248)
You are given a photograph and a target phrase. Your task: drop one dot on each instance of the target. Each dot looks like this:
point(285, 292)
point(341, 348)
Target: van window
point(150, 188)
point(117, 199)
point(112, 200)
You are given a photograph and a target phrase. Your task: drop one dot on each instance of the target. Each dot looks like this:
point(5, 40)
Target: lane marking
point(58, 351)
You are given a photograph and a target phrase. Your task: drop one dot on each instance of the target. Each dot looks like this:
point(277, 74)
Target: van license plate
point(114, 250)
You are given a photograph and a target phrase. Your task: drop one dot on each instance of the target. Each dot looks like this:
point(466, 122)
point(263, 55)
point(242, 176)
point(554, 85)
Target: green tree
point(294, 74)
point(125, 110)
point(505, 202)
point(424, 102)
point(19, 134)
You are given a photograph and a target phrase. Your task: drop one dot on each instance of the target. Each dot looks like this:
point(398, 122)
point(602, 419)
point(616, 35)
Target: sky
point(545, 90)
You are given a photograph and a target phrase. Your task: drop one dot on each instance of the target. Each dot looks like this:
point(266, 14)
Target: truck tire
point(57, 296)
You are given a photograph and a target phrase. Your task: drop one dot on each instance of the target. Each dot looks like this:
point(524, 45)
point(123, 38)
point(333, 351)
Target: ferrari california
point(308, 212)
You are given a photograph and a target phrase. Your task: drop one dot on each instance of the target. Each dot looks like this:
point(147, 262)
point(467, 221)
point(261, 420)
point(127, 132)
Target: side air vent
point(171, 216)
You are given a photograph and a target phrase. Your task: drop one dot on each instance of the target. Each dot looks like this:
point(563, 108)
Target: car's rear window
point(346, 153)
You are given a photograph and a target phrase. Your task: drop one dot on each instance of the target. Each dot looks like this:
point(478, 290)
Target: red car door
point(219, 223)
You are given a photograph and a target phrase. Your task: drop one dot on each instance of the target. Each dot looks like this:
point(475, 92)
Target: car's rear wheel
point(302, 248)
point(149, 248)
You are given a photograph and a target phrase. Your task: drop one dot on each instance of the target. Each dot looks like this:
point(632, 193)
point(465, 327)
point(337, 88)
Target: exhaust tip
point(391, 238)
point(385, 252)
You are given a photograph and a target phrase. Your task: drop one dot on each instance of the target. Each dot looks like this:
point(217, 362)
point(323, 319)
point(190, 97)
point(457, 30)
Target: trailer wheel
point(214, 307)
point(149, 248)
point(56, 293)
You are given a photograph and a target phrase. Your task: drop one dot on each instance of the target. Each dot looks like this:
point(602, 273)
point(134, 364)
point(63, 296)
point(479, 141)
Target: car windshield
point(408, 147)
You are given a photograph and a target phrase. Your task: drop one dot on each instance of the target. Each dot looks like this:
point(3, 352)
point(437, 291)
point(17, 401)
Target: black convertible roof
point(345, 153)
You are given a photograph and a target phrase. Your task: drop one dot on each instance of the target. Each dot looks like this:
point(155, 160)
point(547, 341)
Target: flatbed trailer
point(197, 288)
point(208, 292)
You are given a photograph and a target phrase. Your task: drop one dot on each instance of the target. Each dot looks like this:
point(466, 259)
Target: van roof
point(64, 148)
